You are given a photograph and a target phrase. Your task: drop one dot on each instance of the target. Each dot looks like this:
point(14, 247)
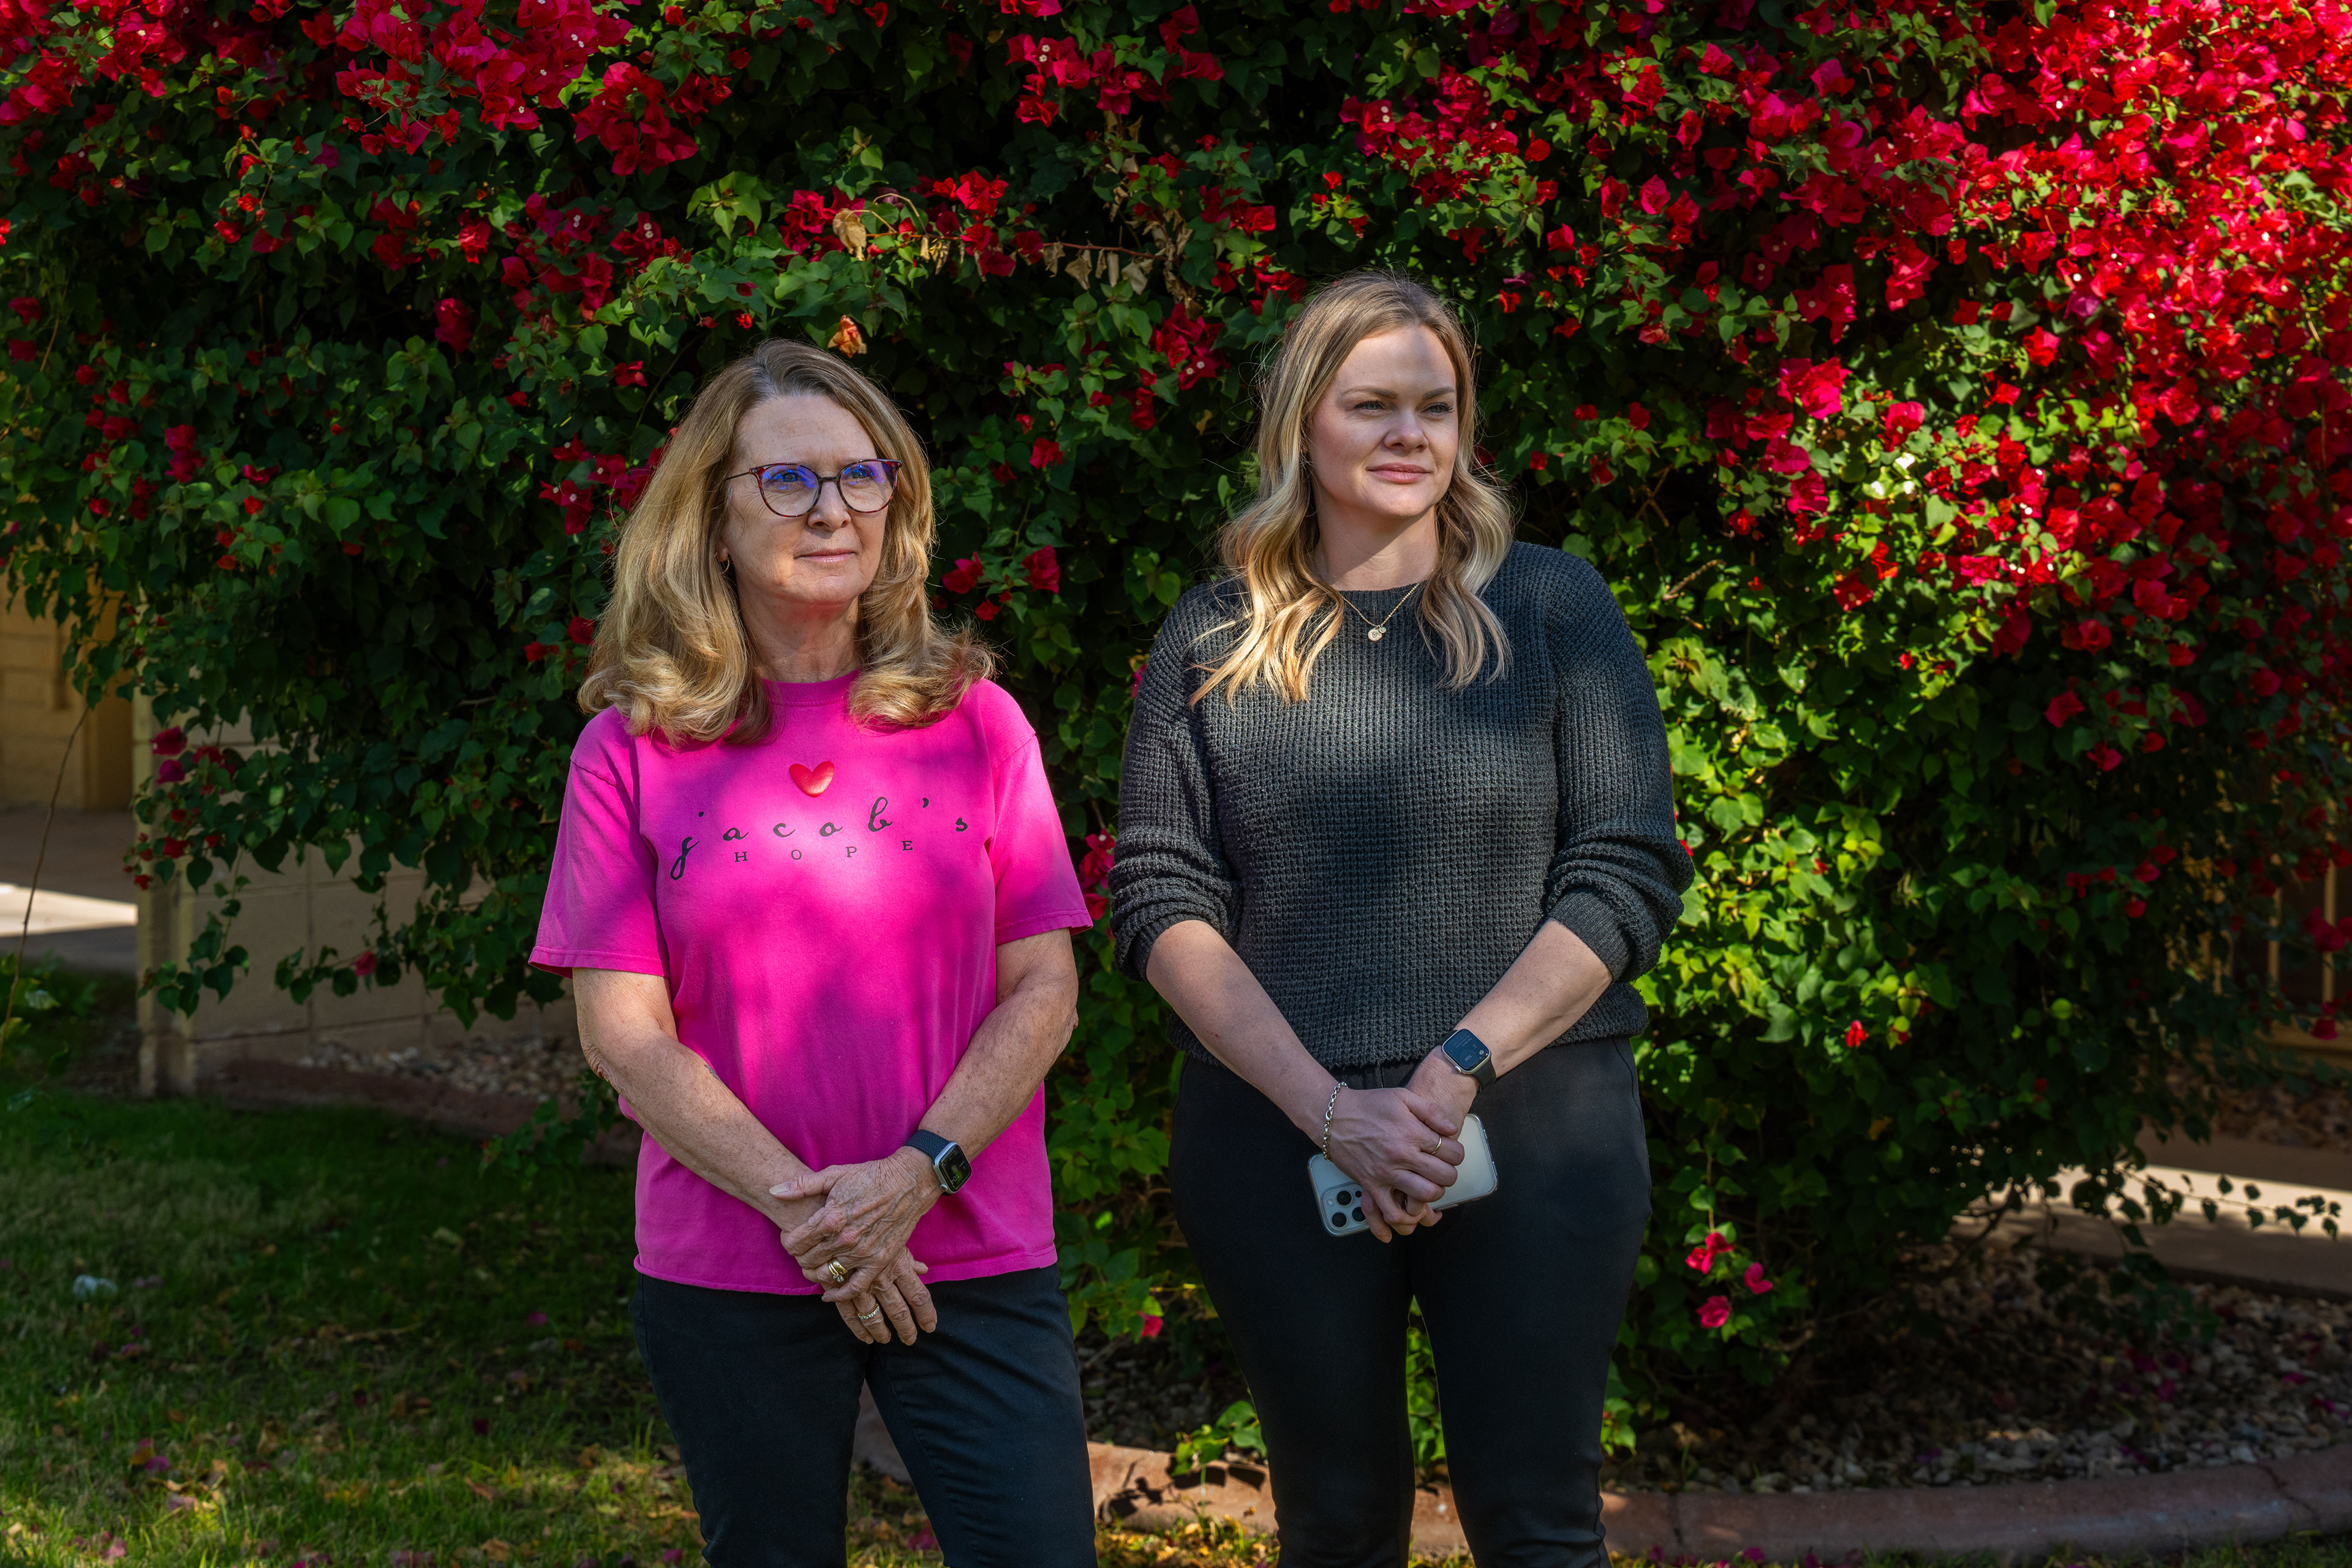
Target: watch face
point(954, 1169)
point(1466, 1051)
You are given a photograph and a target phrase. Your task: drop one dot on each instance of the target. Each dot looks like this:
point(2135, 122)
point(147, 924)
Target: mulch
point(2009, 1365)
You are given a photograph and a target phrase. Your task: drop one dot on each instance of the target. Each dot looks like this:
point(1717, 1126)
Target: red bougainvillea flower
point(1854, 1035)
point(1817, 388)
point(1899, 420)
point(364, 964)
point(168, 742)
point(1754, 1279)
point(2106, 756)
point(1045, 572)
point(1150, 1328)
point(2062, 707)
point(454, 324)
point(962, 577)
point(581, 630)
point(534, 651)
point(1046, 453)
point(1702, 1256)
point(1714, 1311)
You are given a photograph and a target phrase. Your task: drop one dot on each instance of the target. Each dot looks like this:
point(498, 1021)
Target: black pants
point(1522, 1292)
point(762, 1392)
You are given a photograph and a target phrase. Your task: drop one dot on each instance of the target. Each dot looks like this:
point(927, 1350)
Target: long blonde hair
point(1269, 544)
point(671, 649)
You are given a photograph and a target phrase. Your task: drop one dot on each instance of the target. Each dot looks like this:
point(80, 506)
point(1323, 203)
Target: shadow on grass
point(325, 1338)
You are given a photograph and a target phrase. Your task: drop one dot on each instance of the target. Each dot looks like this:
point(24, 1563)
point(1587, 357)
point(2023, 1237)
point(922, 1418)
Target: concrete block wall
point(38, 710)
point(302, 906)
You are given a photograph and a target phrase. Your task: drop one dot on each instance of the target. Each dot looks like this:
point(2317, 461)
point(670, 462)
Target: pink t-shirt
point(826, 906)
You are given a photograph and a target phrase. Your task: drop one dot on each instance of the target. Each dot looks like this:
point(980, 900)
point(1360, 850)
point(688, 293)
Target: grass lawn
point(332, 1343)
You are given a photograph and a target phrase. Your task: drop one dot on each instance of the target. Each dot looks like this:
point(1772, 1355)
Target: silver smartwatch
point(1470, 1057)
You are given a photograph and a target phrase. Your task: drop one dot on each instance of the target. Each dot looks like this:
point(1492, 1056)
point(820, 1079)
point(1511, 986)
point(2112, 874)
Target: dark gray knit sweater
point(1381, 853)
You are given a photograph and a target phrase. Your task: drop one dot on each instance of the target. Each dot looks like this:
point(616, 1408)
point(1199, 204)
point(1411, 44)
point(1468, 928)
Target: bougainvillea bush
point(1955, 395)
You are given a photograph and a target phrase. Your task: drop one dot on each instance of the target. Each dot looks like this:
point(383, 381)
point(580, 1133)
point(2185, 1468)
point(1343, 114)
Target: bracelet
point(1330, 1106)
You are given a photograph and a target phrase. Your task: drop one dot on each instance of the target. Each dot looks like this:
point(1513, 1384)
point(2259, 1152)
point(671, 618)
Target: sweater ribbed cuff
point(1590, 917)
point(1135, 941)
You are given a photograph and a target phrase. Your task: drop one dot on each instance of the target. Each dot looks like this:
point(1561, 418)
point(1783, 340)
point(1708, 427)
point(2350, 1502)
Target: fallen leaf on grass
point(479, 1490)
point(497, 1551)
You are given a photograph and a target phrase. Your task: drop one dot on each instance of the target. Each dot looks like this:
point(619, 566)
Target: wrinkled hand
point(1400, 1147)
point(1452, 1092)
point(869, 1211)
point(897, 1301)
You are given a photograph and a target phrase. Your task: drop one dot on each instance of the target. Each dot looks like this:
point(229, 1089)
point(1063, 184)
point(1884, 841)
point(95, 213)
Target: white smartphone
point(1342, 1202)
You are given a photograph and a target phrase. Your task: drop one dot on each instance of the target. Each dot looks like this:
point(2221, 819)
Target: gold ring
point(869, 1316)
point(837, 1272)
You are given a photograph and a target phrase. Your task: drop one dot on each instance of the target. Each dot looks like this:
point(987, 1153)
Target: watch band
point(948, 1162)
point(1470, 1057)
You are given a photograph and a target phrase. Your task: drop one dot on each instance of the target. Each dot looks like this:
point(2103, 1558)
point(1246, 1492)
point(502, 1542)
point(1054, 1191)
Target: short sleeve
point(1036, 890)
point(600, 889)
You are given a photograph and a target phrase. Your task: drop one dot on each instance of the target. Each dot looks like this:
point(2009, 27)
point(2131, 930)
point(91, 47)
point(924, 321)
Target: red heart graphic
point(812, 781)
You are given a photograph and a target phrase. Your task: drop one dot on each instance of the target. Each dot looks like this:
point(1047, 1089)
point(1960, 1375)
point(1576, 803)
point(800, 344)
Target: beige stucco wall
point(303, 906)
point(38, 708)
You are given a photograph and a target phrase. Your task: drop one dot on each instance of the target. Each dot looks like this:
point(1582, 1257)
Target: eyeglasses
point(791, 490)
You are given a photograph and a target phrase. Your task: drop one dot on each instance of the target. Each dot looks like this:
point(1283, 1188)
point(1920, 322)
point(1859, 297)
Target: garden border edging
point(2108, 1515)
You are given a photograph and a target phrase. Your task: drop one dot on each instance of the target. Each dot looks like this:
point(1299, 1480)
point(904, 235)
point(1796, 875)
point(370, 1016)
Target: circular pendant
point(1376, 634)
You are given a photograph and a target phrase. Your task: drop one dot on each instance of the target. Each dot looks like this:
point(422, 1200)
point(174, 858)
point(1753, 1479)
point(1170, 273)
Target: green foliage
point(1235, 1428)
point(553, 1138)
point(48, 1010)
point(329, 388)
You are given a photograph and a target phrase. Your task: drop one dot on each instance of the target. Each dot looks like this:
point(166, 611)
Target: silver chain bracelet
point(1330, 1106)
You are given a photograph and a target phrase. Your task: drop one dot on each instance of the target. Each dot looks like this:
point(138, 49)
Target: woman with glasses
point(815, 902)
point(1396, 834)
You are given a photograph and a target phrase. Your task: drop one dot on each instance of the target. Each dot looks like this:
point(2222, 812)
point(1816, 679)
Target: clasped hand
point(1400, 1146)
point(864, 1213)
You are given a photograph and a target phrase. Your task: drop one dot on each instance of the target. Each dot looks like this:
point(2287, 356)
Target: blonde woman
point(815, 902)
point(1396, 831)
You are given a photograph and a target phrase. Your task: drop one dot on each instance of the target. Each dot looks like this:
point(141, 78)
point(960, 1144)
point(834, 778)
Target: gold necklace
point(1379, 628)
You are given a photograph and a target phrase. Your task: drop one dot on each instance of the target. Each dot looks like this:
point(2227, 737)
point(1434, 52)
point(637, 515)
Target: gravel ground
point(1140, 1395)
point(540, 1068)
point(2320, 1119)
point(1997, 1380)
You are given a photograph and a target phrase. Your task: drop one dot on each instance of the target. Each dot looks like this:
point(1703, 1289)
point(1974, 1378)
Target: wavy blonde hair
point(671, 649)
point(1269, 545)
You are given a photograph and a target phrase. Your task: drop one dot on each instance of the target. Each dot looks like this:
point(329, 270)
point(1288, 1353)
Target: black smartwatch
point(1470, 1057)
point(949, 1162)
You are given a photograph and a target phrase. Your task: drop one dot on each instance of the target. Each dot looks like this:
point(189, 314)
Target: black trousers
point(762, 1392)
point(1522, 1292)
